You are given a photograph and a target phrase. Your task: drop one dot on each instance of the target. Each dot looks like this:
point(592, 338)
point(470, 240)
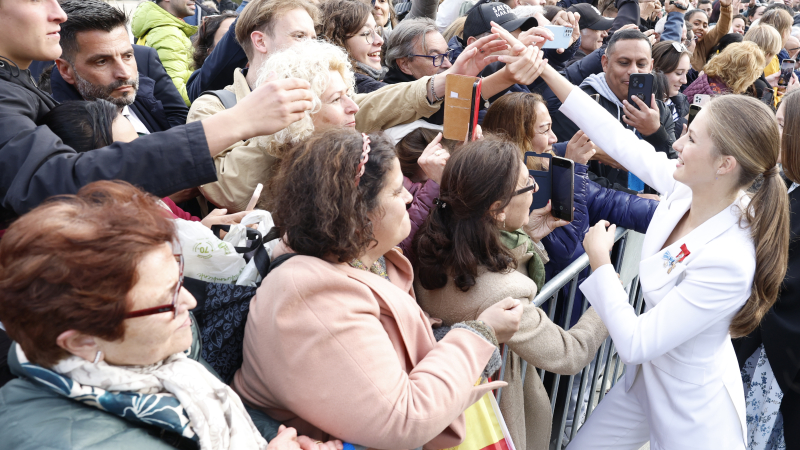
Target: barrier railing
point(605, 369)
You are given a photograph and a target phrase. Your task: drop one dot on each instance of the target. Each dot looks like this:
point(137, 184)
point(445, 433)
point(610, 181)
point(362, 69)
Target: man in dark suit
point(98, 61)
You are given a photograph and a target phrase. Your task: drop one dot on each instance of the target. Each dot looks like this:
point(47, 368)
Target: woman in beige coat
point(468, 250)
point(335, 343)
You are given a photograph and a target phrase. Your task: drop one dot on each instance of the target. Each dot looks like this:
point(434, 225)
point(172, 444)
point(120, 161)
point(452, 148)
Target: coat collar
point(697, 238)
point(396, 299)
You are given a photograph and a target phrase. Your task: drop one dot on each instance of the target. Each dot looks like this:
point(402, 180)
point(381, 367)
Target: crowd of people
point(401, 263)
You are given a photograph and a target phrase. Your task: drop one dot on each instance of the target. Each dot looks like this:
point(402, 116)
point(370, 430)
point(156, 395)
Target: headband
point(364, 158)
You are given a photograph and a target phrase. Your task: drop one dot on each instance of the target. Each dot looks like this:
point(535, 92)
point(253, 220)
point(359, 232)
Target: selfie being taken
point(399, 224)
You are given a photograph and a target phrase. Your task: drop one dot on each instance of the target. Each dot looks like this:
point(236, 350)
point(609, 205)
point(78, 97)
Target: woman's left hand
point(541, 223)
point(598, 243)
point(477, 56)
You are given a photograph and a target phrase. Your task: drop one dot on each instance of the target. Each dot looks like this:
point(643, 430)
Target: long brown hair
point(512, 116)
point(462, 234)
point(790, 147)
point(746, 129)
point(410, 148)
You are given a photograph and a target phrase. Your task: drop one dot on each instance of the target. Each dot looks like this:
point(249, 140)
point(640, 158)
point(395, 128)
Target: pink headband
point(364, 158)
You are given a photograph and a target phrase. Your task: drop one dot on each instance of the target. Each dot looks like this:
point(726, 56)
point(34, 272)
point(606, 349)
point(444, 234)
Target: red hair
point(70, 263)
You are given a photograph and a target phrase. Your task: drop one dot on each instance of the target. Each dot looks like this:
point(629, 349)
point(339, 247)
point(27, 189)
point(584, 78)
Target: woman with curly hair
point(341, 313)
point(731, 72)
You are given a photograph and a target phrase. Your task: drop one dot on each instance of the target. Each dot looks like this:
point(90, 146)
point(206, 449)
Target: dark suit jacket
point(158, 104)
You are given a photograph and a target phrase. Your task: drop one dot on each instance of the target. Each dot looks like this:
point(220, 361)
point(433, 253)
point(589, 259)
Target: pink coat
point(339, 352)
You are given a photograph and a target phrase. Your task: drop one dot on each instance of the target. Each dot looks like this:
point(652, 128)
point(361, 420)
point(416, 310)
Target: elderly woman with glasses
point(106, 350)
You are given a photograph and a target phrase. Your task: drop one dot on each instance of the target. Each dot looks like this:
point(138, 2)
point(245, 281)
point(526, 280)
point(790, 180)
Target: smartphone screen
point(563, 193)
point(640, 85)
point(693, 110)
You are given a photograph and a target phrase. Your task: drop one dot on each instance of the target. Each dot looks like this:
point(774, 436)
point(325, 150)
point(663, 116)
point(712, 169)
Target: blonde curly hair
point(738, 66)
point(310, 60)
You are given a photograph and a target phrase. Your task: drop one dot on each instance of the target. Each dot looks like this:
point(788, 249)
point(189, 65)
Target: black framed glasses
point(438, 60)
point(528, 187)
point(178, 254)
point(371, 34)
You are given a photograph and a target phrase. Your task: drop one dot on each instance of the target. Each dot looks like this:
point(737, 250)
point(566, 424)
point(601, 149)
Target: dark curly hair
point(456, 239)
point(316, 205)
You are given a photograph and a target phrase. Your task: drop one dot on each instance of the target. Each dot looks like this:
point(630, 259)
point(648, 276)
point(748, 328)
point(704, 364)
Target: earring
point(97, 357)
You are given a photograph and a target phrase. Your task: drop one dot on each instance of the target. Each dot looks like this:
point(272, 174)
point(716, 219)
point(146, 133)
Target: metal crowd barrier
point(606, 368)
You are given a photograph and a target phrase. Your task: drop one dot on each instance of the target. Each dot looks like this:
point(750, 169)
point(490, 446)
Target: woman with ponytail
point(480, 245)
point(769, 354)
point(712, 263)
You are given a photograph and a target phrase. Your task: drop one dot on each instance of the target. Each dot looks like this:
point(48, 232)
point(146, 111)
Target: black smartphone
point(640, 85)
point(539, 167)
point(693, 110)
point(563, 192)
point(787, 68)
point(768, 97)
point(475, 107)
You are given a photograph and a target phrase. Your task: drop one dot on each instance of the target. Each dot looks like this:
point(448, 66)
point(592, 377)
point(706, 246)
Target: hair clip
point(364, 158)
point(439, 203)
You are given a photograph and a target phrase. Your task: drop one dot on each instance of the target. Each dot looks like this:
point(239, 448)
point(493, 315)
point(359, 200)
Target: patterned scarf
point(177, 394)
point(378, 267)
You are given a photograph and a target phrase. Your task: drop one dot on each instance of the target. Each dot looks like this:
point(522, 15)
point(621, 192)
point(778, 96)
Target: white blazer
point(680, 344)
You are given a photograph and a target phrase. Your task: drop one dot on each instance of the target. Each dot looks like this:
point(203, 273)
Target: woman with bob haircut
point(341, 314)
point(731, 72)
point(713, 260)
point(481, 245)
point(771, 369)
point(105, 351)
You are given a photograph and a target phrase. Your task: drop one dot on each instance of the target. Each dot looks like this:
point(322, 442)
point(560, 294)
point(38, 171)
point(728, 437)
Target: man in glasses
point(416, 49)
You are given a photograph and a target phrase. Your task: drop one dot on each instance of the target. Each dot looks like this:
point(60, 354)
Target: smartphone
point(474, 109)
point(768, 98)
point(693, 110)
point(701, 99)
point(640, 85)
point(562, 37)
point(595, 97)
point(539, 167)
point(787, 68)
point(563, 192)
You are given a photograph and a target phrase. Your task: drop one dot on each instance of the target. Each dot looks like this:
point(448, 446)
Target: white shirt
point(138, 125)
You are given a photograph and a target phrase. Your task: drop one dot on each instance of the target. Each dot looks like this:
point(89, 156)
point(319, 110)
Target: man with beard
point(98, 61)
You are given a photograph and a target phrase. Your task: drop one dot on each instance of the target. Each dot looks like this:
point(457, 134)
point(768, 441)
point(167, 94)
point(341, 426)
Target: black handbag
point(222, 309)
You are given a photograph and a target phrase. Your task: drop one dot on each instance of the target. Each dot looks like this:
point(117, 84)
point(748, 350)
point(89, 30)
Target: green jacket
point(169, 36)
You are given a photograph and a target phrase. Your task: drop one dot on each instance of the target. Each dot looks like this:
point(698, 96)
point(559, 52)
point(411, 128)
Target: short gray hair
point(401, 41)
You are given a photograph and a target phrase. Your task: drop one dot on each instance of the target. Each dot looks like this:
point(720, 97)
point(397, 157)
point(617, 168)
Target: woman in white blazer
point(682, 388)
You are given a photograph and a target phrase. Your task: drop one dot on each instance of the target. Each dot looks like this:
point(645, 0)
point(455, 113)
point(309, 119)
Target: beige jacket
point(545, 345)
point(336, 351)
point(246, 163)
point(700, 55)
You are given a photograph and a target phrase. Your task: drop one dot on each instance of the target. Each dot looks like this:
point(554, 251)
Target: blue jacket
point(217, 70)
point(592, 204)
point(158, 104)
point(673, 29)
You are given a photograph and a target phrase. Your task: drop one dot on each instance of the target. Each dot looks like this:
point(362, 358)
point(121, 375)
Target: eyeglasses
point(370, 34)
point(528, 187)
point(438, 60)
point(178, 254)
point(680, 48)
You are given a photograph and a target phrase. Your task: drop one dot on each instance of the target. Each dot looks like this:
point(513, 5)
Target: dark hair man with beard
point(99, 62)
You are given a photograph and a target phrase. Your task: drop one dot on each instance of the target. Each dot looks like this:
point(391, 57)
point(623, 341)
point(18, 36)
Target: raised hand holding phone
point(646, 120)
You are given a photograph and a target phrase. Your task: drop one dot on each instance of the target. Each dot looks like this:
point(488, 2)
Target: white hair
point(528, 10)
point(309, 60)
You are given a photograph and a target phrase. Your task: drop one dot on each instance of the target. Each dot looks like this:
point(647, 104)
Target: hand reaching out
point(433, 159)
point(598, 243)
point(580, 148)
